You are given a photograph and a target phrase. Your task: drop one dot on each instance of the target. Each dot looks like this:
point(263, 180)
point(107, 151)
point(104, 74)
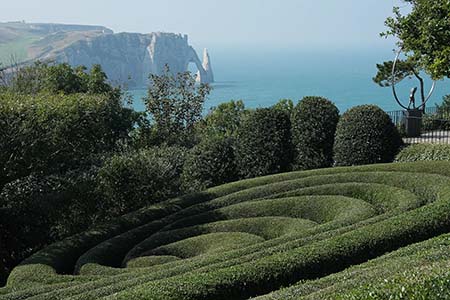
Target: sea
point(262, 77)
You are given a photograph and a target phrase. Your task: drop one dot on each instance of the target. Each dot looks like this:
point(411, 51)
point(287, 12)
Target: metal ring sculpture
point(394, 91)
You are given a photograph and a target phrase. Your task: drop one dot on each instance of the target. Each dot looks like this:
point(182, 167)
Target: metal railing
point(433, 125)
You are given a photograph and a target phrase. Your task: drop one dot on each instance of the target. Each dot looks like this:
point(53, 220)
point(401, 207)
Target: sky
point(225, 24)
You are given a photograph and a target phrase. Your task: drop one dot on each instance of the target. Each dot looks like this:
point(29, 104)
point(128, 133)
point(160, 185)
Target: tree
point(403, 69)
point(97, 82)
point(223, 120)
point(49, 133)
point(62, 78)
point(424, 35)
point(174, 105)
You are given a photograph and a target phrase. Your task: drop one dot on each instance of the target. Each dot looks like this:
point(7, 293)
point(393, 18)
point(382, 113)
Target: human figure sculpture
point(412, 98)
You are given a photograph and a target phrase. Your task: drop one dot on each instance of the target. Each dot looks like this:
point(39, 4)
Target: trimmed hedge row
point(357, 280)
point(307, 262)
point(424, 152)
point(393, 205)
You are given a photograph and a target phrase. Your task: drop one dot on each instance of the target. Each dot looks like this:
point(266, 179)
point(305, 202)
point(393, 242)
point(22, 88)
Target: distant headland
point(125, 57)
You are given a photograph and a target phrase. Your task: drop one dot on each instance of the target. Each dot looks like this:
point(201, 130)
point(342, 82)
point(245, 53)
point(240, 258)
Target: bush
point(210, 163)
point(264, 143)
point(424, 152)
point(8, 240)
point(38, 210)
point(132, 180)
point(313, 129)
point(365, 135)
point(438, 121)
point(55, 133)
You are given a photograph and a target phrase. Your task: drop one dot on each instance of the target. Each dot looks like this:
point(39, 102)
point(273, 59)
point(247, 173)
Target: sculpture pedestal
point(413, 122)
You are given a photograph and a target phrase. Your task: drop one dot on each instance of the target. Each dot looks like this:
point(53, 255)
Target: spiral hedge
point(341, 233)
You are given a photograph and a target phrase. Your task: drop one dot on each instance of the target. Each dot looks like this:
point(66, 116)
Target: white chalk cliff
point(125, 57)
point(208, 75)
point(131, 57)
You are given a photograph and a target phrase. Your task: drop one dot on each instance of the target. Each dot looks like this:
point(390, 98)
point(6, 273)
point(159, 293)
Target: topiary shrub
point(366, 135)
point(264, 143)
point(132, 180)
point(210, 163)
point(314, 122)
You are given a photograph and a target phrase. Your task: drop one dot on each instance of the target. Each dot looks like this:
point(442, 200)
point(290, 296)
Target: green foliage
point(132, 180)
point(223, 120)
point(56, 124)
point(286, 105)
point(419, 284)
point(209, 243)
point(149, 261)
point(424, 152)
point(52, 133)
point(9, 240)
point(424, 35)
point(293, 226)
point(52, 207)
point(44, 209)
point(404, 69)
point(314, 124)
point(365, 135)
point(392, 276)
point(264, 143)
point(61, 78)
point(444, 107)
point(439, 120)
point(174, 105)
point(210, 163)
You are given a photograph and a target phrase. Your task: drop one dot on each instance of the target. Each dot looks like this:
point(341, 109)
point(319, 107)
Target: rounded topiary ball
point(314, 122)
point(209, 163)
point(264, 144)
point(365, 135)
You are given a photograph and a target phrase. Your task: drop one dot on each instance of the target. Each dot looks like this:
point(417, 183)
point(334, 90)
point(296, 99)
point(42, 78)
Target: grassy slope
point(19, 43)
point(16, 50)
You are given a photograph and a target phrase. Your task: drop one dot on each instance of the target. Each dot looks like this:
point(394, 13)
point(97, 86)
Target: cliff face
point(125, 57)
point(131, 57)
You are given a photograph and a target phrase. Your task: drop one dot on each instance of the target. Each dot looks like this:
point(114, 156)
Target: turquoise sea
point(261, 77)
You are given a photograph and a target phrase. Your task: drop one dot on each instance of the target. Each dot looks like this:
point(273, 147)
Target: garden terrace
point(325, 233)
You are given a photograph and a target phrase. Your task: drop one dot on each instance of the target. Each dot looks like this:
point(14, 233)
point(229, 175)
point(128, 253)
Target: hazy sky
point(276, 24)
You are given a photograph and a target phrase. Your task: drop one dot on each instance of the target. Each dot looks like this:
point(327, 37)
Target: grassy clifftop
point(20, 41)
